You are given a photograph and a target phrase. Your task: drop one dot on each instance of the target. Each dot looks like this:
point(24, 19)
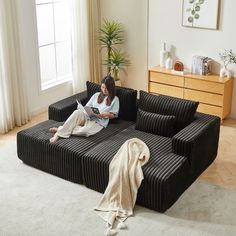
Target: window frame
point(58, 80)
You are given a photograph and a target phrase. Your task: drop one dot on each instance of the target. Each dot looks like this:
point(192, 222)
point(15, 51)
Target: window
point(54, 41)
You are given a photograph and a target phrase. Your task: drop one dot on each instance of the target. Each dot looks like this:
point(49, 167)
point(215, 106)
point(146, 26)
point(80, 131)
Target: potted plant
point(227, 57)
point(110, 37)
point(117, 62)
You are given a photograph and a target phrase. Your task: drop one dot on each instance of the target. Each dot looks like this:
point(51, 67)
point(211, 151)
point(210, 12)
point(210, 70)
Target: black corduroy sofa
point(182, 144)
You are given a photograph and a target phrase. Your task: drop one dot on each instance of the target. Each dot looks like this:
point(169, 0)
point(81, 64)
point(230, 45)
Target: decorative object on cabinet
point(169, 62)
point(225, 72)
point(213, 93)
point(163, 55)
point(200, 13)
point(179, 66)
point(201, 65)
point(227, 57)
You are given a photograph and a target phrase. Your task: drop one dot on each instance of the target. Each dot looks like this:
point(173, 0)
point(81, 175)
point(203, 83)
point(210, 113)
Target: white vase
point(169, 63)
point(163, 55)
point(225, 72)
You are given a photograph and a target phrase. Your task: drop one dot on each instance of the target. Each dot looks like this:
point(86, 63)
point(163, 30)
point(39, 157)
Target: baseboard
point(38, 111)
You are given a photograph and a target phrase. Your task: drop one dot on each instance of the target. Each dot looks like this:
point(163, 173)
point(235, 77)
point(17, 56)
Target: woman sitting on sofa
point(81, 124)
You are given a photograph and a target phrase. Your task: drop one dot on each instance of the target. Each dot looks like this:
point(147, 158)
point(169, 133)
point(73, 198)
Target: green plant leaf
point(110, 35)
point(118, 61)
point(190, 19)
point(228, 57)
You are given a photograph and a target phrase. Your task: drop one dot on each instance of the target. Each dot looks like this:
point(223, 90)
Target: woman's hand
point(104, 115)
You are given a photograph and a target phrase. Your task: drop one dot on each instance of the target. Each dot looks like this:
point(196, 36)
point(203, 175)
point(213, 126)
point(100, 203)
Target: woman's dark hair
point(110, 85)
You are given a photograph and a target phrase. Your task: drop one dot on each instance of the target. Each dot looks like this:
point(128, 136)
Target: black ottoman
point(62, 158)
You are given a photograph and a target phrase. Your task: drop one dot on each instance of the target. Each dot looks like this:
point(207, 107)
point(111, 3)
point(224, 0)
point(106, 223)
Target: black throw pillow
point(184, 110)
point(155, 123)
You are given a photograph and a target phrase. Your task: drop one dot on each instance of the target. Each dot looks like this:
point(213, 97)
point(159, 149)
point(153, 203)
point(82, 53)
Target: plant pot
point(225, 72)
point(118, 83)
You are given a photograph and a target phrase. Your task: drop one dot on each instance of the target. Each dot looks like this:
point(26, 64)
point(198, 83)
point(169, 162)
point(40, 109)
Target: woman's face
point(104, 90)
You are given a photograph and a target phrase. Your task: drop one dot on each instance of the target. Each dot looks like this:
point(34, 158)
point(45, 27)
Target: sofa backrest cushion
point(182, 109)
point(92, 88)
point(155, 123)
point(127, 98)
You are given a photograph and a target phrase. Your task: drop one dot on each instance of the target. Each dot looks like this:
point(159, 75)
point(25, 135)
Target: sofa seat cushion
point(127, 98)
point(161, 174)
point(62, 158)
point(184, 110)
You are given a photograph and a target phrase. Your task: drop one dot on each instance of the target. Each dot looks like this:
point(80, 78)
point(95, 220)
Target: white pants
point(78, 124)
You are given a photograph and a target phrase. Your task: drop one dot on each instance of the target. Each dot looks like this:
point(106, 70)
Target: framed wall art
point(201, 13)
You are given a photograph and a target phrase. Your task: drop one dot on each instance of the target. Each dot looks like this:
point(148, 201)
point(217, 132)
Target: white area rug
point(34, 203)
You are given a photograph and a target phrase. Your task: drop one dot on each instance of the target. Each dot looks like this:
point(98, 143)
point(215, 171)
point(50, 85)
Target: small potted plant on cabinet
point(227, 57)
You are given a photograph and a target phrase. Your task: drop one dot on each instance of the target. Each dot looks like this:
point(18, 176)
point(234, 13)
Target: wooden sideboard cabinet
point(213, 93)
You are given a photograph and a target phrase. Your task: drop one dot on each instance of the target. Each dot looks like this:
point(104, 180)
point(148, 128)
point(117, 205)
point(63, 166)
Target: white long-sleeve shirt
point(113, 108)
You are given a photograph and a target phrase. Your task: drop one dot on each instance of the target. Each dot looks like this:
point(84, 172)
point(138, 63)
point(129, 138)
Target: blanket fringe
point(109, 232)
point(121, 225)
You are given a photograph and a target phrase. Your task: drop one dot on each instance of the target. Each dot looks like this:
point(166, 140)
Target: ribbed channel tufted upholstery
point(156, 191)
point(61, 110)
point(182, 109)
point(155, 123)
point(175, 162)
point(198, 142)
point(62, 158)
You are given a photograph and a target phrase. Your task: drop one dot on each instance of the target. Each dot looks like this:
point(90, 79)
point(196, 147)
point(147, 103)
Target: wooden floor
point(221, 172)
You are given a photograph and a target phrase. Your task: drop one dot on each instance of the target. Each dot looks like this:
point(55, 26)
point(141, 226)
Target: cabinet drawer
point(163, 89)
point(212, 110)
point(204, 97)
point(167, 79)
point(204, 85)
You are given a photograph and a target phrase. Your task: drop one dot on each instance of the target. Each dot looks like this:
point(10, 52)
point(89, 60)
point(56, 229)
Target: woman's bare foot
point(54, 139)
point(53, 129)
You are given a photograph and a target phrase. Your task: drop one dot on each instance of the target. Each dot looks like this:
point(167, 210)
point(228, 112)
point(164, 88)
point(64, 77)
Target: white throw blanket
point(125, 177)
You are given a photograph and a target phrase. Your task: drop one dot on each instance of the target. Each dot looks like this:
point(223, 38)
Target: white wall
point(145, 31)
point(133, 15)
point(38, 101)
point(165, 19)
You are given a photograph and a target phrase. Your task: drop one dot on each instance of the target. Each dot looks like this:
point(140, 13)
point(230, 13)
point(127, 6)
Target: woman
point(81, 124)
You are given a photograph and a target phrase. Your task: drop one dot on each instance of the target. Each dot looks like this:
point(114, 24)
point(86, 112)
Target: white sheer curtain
point(86, 62)
point(13, 102)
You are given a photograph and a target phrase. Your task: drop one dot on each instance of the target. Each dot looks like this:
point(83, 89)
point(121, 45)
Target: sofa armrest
point(198, 141)
point(62, 109)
